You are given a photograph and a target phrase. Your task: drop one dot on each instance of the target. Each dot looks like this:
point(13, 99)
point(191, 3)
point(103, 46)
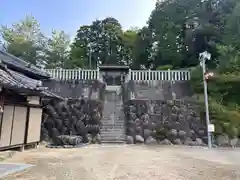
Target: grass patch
point(2, 158)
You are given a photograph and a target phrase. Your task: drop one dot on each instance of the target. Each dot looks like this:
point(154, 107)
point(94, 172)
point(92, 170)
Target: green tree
point(232, 29)
point(80, 47)
point(128, 41)
point(25, 40)
point(166, 24)
point(102, 40)
point(143, 49)
point(57, 53)
point(181, 29)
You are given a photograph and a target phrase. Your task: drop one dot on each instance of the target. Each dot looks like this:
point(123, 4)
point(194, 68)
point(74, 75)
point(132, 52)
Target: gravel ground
point(128, 162)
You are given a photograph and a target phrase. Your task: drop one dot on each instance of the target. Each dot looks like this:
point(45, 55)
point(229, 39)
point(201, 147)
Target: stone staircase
point(113, 129)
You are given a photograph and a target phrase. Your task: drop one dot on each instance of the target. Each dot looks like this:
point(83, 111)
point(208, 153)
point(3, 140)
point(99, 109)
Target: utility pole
point(210, 127)
point(90, 55)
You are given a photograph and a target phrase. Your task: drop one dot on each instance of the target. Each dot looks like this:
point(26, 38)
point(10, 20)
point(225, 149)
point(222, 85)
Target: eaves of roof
point(22, 84)
point(22, 66)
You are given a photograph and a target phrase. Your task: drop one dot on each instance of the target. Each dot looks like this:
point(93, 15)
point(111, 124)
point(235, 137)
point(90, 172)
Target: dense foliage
point(176, 32)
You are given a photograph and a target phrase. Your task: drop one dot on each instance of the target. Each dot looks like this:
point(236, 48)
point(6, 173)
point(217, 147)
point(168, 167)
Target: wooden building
point(20, 102)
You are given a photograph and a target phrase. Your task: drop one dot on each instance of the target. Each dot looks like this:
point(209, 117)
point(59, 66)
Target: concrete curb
point(18, 168)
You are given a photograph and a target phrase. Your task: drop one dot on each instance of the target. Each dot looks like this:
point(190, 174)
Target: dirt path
point(119, 162)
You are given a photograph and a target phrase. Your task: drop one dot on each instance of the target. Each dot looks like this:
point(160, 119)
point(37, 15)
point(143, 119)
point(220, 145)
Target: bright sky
point(69, 15)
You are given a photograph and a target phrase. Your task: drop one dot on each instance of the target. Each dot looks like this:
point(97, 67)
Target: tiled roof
point(47, 93)
point(13, 61)
point(9, 81)
point(18, 82)
point(15, 80)
point(31, 83)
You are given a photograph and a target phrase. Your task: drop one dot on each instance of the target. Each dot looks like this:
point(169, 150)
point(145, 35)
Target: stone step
point(113, 127)
point(110, 129)
point(108, 116)
point(116, 118)
point(112, 122)
point(111, 118)
point(122, 137)
point(105, 131)
point(109, 125)
point(112, 142)
point(119, 125)
point(111, 112)
point(113, 137)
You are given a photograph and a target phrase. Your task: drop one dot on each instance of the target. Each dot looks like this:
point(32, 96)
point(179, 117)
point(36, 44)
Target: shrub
point(165, 67)
point(226, 120)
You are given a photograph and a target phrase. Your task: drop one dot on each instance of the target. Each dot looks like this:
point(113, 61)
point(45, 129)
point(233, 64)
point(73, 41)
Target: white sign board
point(211, 128)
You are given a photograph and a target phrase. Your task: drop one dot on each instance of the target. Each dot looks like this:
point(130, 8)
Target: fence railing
point(136, 75)
point(168, 75)
point(73, 74)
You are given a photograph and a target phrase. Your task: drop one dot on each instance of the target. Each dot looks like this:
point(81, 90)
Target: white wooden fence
point(73, 74)
point(169, 75)
point(136, 75)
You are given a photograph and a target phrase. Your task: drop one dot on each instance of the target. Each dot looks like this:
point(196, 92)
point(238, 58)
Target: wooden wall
point(20, 122)
point(13, 125)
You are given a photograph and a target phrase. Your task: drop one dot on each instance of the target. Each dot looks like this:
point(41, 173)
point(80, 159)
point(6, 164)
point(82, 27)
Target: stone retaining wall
point(165, 122)
point(75, 89)
point(77, 118)
point(152, 117)
point(159, 90)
